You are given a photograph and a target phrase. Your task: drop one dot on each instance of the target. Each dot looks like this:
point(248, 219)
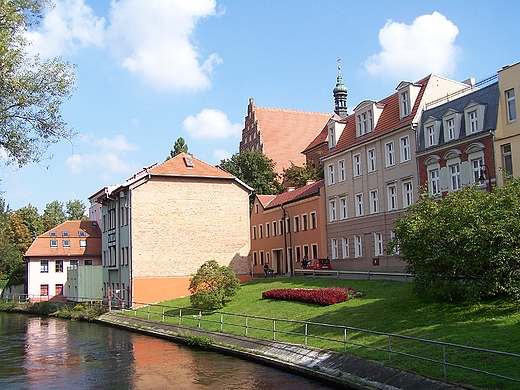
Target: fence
point(368, 274)
point(344, 338)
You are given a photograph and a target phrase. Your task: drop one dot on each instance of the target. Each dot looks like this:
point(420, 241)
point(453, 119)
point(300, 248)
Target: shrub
point(321, 296)
point(212, 286)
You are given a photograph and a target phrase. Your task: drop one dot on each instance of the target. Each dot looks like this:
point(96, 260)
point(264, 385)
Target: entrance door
point(278, 261)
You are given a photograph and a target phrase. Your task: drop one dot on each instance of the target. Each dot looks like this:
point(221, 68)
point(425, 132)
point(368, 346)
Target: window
point(392, 236)
point(359, 205)
point(450, 123)
point(66, 243)
point(65, 234)
point(511, 105)
point(331, 174)
point(357, 165)
point(274, 228)
point(44, 266)
point(267, 229)
point(298, 254)
point(371, 160)
point(306, 251)
point(261, 257)
point(365, 123)
point(477, 166)
point(87, 262)
point(81, 233)
point(434, 182)
point(288, 225)
point(58, 288)
point(344, 247)
point(332, 210)
point(281, 227)
point(334, 244)
point(314, 251)
point(358, 249)
point(296, 224)
point(261, 231)
point(256, 208)
point(342, 175)
point(407, 193)
point(405, 103)
point(392, 197)
point(305, 223)
point(314, 223)
point(454, 177)
point(254, 232)
point(82, 243)
point(343, 212)
point(390, 154)
point(54, 243)
point(52, 234)
point(332, 137)
point(431, 136)
point(374, 202)
point(507, 159)
point(74, 262)
point(405, 149)
point(44, 290)
point(473, 121)
point(58, 266)
point(378, 244)
point(255, 258)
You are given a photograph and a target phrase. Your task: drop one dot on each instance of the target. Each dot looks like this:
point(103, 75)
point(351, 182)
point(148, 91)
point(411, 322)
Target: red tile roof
point(41, 245)
point(321, 138)
point(286, 133)
point(186, 165)
point(388, 121)
point(294, 195)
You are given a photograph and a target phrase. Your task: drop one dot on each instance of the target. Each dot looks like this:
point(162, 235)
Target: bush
point(212, 286)
point(320, 296)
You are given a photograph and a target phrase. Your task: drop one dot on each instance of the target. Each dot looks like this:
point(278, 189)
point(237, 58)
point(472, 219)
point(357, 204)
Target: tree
point(465, 246)
point(180, 146)
point(19, 233)
point(31, 218)
point(75, 210)
point(256, 170)
point(297, 177)
point(53, 215)
point(212, 286)
point(31, 90)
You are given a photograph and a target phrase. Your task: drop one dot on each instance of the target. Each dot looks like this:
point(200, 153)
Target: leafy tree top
point(297, 177)
point(180, 146)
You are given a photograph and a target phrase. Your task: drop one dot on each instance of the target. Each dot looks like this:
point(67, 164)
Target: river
point(51, 353)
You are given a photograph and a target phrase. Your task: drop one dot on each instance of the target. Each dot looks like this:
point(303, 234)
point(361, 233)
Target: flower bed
point(321, 296)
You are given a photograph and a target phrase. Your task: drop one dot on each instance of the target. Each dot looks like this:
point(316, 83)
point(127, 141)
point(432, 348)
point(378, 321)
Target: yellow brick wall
point(179, 224)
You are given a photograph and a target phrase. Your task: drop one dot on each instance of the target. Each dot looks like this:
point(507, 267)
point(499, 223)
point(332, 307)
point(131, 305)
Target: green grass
point(388, 307)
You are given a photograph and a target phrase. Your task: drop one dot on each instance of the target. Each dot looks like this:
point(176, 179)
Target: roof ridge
point(293, 110)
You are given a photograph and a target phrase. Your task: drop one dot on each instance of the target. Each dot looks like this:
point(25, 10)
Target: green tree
point(465, 246)
point(180, 146)
point(297, 177)
point(212, 286)
point(33, 220)
point(53, 215)
point(76, 210)
point(19, 233)
point(31, 90)
point(256, 170)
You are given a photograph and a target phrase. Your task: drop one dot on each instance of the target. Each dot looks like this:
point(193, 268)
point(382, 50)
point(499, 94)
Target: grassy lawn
point(388, 307)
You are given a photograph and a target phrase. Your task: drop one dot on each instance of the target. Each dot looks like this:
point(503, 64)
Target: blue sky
point(150, 71)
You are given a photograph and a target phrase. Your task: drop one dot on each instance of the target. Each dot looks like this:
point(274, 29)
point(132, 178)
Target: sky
point(151, 71)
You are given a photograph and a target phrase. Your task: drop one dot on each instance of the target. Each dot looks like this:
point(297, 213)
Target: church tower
point(340, 93)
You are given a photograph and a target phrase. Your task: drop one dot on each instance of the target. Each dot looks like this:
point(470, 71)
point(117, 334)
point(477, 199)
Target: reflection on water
point(46, 353)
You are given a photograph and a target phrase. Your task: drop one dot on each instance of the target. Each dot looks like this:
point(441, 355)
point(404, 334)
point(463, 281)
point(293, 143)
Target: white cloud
point(69, 26)
point(154, 42)
point(109, 157)
point(210, 123)
point(221, 154)
point(412, 51)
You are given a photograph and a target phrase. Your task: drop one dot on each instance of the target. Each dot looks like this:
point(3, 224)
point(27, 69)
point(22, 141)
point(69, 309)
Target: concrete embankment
point(338, 370)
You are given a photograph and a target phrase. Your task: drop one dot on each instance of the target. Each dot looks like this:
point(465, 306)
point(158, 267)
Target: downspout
point(289, 259)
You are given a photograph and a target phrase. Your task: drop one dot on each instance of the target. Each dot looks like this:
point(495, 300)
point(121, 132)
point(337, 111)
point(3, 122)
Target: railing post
point(389, 350)
point(200, 316)
point(344, 340)
point(247, 318)
point(274, 329)
point(444, 361)
point(148, 312)
point(163, 314)
point(306, 333)
point(180, 316)
point(221, 321)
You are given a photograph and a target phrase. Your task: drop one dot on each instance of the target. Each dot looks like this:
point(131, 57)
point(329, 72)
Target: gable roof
point(388, 121)
point(321, 139)
point(291, 196)
point(285, 133)
point(185, 164)
point(41, 245)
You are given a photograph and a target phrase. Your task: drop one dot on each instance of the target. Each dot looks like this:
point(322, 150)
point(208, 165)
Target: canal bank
point(344, 371)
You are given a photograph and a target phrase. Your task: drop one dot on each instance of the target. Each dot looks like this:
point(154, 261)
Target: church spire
point(340, 94)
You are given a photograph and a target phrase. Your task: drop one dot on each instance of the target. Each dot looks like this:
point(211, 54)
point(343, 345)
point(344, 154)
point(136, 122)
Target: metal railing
point(369, 274)
point(320, 335)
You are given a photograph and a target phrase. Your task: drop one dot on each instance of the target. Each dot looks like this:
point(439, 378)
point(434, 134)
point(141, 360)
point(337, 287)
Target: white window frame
point(407, 193)
point(406, 154)
point(391, 191)
point(477, 167)
point(371, 160)
point(343, 208)
point(334, 247)
point(511, 105)
point(332, 210)
point(473, 121)
point(454, 172)
point(405, 103)
point(359, 205)
point(332, 137)
point(374, 202)
point(432, 139)
point(390, 154)
point(331, 174)
point(378, 244)
point(341, 170)
point(356, 164)
point(313, 221)
point(358, 246)
point(345, 249)
point(434, 181)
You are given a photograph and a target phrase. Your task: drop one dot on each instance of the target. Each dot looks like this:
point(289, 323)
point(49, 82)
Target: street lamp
point(484, 172)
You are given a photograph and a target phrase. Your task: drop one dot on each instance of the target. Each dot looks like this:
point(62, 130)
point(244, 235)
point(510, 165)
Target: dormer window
point(332, 137)
point(408, 93)
point(367, 114)
point(405, 103)
point(451, 121)
point(432, 128)
point(474, 115)
point(365, 123)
